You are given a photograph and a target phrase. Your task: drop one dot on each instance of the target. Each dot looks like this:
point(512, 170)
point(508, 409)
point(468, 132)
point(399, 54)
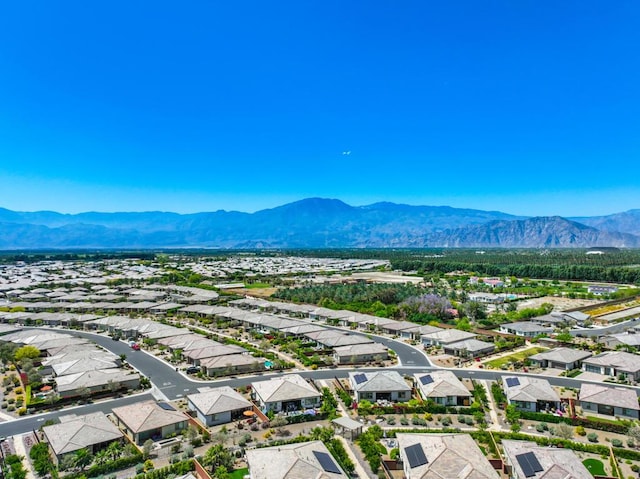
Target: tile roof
point(218, 400)
point(286, 388)
point(147, 415)
point(77, 432)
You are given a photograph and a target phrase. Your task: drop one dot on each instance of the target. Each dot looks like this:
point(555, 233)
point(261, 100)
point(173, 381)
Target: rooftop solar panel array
point(529, 464)
point(326, 462)
point(426, 379)
point(415, 456)
point(512, 382)
point(359, 378)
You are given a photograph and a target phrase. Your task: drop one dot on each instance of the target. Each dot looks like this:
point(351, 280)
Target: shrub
point(540, 427)
point(18, 391)
point(404, 421)
point(580, 431)
point(391, 421)
point(616, 443)
point(592, 437)
point(446, 421)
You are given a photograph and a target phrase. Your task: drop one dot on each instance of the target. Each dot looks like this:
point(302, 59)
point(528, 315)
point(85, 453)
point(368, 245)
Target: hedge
point(427, 407)
point(100, 469)
point(607, 426)
point(179, 468)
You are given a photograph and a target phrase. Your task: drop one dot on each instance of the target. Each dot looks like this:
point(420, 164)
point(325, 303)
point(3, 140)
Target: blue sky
point(528, 107)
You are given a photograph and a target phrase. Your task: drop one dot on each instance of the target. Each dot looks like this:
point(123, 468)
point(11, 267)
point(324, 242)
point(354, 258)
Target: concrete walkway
point(18, 443)
point(495, 421)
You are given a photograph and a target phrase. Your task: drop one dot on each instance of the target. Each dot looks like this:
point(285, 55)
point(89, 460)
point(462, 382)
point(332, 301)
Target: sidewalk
point(22, 452)
point(495, 421)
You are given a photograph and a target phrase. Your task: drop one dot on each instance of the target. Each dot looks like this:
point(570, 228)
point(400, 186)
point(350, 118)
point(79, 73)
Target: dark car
point(193, 370)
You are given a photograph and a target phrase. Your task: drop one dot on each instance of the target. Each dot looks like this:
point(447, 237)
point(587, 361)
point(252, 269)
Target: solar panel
point(415, 456)
point(326, 462)
point(529, 464)
point(512, 382)
point(533, 460)
point(359, 378)
point(166, 407)
point(426, 379)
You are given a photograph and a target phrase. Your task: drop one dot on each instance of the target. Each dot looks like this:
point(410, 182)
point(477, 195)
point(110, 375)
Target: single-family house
point(380, 386)
point(360, 353)
point(528, 460)
point(306, 460)
point(531, 394)
point(527, 329)
point(289, 393)
point(218, 405)
point(469, 348)
point(149, 420)
point(614, 363)
point(442, 387)
point(445, 336)
point(560, 358)
point(430, 456)
point(609, 400)
point(91, 431)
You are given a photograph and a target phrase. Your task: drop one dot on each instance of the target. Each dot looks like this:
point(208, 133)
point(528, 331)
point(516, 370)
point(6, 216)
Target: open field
point(559, 303)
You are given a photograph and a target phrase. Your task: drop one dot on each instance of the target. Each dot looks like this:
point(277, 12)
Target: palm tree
point(82, 458)
point(114, 450)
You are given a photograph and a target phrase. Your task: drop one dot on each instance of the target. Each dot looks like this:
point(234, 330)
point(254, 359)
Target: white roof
point(286, 388)
point(529, 389)
point(379, 381)
point(442, 384)
point(218, 400)
point(448, 456)
point(291, 461)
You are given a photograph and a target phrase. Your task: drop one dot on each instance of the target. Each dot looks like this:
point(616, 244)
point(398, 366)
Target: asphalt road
point(171, 384)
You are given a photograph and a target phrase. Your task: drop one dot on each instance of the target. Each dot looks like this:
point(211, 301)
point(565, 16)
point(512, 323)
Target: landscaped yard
point(239, 473)
point(515, 357)
point(595, 467)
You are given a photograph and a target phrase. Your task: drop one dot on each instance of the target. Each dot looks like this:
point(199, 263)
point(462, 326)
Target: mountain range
point(316, 223)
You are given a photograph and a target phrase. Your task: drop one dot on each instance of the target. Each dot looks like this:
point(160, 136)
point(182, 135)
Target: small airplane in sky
point(347, 152)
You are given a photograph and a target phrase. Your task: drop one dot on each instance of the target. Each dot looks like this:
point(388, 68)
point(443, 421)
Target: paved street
point(173, 385)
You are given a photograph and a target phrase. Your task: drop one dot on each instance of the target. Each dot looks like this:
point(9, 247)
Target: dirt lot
point(559, 303)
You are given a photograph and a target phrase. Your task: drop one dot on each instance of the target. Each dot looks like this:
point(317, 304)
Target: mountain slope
point(625, 222)
point(309, 223)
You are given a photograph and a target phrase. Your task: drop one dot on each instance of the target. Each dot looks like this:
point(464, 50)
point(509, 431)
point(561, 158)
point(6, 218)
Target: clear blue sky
point(525, 106)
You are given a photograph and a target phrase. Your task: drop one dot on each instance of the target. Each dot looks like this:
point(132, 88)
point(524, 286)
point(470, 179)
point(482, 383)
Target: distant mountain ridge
point(316, 223)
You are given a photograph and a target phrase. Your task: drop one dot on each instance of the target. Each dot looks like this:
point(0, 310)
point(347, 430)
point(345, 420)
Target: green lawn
point(239, 473)
point(595, 467)
point(257, 285)
point(512, 358)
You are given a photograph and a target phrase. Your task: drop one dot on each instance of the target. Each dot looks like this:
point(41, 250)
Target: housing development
point(298, 365)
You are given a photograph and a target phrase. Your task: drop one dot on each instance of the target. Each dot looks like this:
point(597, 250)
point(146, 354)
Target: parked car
point(193, 370)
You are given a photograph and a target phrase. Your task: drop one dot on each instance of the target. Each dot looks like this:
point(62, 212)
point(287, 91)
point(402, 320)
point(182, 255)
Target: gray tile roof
point(287, 388)
point(609, 396)
point(78, 432)
point(562, 355)
point(147, 415)
point(556, 463)
point(530, 389)
point(448, 456)
point(445, 384)
point(290, 461)
point(380, 381)
point(621, 360)
point(218, 400)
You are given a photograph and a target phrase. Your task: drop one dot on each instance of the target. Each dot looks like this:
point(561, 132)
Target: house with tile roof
point(218, 405)
point(91, 431)
point(442, 387)
point(609, 400)
point(560, 358)
point(306, 460)
point(380, 386)
point(289, 393)
point(527, 393)
point(528, 460)
point(149, 420)
point(446, 456)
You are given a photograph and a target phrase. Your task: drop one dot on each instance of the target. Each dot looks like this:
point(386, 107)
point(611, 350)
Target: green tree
point(82, 458)
point(26, 352)
point(147, 447)
point(216, 457)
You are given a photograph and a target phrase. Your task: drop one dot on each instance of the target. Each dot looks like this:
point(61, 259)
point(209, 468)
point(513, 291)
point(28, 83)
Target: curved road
point(171, 384)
